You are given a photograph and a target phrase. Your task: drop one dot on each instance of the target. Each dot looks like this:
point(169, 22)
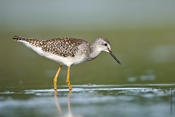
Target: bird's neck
point(94, 51)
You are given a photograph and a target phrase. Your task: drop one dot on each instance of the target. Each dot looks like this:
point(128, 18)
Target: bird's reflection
point(69, 113)
point(57, 103)
point(171, 101)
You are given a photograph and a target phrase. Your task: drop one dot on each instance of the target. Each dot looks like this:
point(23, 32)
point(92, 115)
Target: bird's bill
point(110, 52)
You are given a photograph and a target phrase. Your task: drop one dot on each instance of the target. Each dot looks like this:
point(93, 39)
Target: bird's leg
point(55, 78)
point(69, 93)
point(68, 78)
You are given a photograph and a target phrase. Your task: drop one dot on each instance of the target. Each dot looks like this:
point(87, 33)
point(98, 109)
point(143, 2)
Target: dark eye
point(105, 44)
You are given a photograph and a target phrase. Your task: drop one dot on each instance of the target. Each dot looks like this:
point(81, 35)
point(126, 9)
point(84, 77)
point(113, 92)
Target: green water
point(147, 56)
point(143, 85)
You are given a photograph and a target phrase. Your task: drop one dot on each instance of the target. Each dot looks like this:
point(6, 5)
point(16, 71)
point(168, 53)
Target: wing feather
point(62, 46)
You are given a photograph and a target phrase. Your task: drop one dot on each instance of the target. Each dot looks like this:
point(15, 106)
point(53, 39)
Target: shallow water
point(153, 100)
point(145, 80)
point(142, 36)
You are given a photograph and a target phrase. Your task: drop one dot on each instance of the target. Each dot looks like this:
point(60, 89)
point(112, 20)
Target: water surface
point(153, 100)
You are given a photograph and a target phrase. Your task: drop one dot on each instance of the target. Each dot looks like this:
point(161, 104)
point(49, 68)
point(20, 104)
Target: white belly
point(68, 61)
point(65, 60)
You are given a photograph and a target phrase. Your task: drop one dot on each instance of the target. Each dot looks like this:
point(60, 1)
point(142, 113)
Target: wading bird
point(67, 51)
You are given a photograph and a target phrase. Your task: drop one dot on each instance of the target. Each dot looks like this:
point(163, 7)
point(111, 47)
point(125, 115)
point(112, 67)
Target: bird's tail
point(18, 38)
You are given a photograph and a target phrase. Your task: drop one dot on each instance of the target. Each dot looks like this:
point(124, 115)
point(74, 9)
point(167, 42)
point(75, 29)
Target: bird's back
point(58, 46)
point(63, 46)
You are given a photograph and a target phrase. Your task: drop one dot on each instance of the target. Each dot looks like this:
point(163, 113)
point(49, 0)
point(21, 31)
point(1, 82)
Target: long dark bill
point(110, 52)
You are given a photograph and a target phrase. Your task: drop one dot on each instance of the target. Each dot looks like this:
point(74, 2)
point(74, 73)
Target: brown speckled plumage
point(58, 46)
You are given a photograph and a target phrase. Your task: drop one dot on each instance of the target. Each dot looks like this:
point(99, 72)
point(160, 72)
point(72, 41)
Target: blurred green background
point(141, 32)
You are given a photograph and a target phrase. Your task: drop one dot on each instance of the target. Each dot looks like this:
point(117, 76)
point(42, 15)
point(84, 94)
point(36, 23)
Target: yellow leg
point(68, 78)
point(55, 79)
point(69, 93)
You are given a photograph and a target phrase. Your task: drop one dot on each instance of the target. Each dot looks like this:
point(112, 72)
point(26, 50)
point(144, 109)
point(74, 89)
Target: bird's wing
point(62, 46)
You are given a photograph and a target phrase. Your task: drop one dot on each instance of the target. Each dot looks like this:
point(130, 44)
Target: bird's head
point(104, 45)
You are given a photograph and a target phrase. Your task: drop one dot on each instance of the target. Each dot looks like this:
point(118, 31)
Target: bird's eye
point(105, 44)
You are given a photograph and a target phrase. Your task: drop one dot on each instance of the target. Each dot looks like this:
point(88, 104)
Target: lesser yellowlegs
point(67, 51)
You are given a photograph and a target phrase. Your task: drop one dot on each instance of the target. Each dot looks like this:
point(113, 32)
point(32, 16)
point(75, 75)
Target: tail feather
point(29, 41)
point(18, 38)
point(34, 44)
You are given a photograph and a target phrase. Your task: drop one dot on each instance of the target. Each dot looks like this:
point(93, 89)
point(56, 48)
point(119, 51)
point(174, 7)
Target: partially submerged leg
point(55, 78)
point(68, 78)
